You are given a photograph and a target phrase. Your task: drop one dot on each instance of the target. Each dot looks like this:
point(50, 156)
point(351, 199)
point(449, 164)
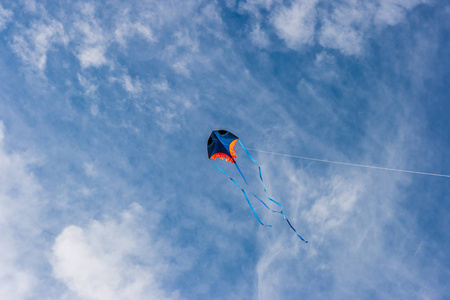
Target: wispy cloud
point(350, 224)
point(92, 56)
point(127, 29)
point(94, 41)
point(345, 26)
point(342, 25)
point(259, 36)
point(295, 24)
point(88, 86)
point(132, 86)
point(391, 12)
point(33, 44)
point(5, 17)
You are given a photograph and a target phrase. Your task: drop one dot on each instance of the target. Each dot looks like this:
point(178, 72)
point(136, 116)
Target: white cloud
point(2, 132)
point(30, 5)
point(347, 26)
point(94, 110)
point(295, 24)
point(88, 86)
point(210, 18)
point(130, 85)
point(111, 259)
point(88, 9)
point(324, 68)
point(91, 32)
point(90, 169)
point(19, 209)
point(169, 110)
point(5, 17)
point(127, 29)
point(161, 85)
point(343, 25)
point(331, 210)
point(259, 37)
point(181, 67)
point(254, 6)
point(93, 42)
point(391, 12)
point(184, 52)
point(32, 44)
point(92, 56)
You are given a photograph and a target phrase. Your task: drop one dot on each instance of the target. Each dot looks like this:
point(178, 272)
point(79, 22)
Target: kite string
point(350, 164)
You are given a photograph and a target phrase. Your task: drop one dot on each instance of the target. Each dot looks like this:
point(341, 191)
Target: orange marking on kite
point(222, 156)
point(233, 148)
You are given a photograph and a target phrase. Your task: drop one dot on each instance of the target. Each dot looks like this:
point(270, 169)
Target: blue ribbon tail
point(265, 191)
point(294, 229)
point(245, 194)
point(237, 167)
point(275, 211)
point(260, 177)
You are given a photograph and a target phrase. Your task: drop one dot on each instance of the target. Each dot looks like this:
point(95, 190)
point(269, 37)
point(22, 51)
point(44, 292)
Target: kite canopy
point(222, 144)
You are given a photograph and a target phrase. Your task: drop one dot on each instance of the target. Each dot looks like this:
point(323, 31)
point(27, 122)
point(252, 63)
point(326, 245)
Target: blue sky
point(106, 191)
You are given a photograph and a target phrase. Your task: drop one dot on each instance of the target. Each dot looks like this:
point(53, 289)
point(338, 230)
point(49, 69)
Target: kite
point(222, 145)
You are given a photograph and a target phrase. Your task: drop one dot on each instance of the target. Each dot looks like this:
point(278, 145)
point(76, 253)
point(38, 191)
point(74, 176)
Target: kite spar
point(222, 145)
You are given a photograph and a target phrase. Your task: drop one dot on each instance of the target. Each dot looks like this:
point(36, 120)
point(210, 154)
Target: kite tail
point(245, 194)
point(287, 220)
point(237, 166)
point(240, 172)
point(275, 211)
point(260, 177)
point(265, 191)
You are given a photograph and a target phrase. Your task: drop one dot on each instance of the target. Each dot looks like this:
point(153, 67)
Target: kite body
point(222, 145)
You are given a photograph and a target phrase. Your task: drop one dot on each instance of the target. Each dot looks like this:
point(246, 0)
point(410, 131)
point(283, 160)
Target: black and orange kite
point(222, 145)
